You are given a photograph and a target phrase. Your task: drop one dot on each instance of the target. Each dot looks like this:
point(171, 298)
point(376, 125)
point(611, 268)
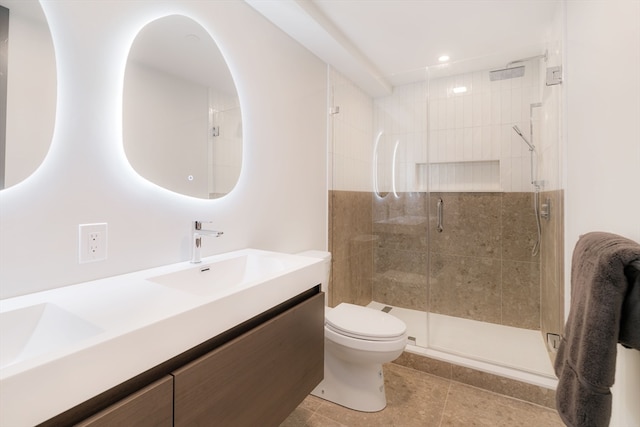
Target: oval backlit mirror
point(182, 123)
point(27, 89)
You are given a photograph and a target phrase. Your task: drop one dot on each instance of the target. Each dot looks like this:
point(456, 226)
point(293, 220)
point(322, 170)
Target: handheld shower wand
point(519, 132)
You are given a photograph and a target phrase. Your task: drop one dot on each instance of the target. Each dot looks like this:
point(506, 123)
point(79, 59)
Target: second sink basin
point(207, 278)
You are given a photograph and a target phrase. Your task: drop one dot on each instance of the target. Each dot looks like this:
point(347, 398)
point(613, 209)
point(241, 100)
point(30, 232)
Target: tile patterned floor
point(415, 398)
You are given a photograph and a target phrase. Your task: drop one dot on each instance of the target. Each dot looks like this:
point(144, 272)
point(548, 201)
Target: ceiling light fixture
point(459, 89)
point(443, 58)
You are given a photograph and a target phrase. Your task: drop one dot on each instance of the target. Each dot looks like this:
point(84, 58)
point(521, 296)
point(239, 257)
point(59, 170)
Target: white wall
point(603, 151)
point(278, 204)
point(350, 136)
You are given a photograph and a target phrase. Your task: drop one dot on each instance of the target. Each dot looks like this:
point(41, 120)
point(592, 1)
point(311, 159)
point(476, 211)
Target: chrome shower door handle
point(440, 209)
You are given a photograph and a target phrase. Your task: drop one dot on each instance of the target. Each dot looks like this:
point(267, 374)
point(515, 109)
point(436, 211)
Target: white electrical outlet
point(92, 242)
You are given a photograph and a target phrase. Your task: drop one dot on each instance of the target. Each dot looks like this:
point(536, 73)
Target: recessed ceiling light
point(443, 58)
point(460, 89)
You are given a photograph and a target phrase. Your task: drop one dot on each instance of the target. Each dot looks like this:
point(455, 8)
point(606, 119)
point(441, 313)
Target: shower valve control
point(545, 211)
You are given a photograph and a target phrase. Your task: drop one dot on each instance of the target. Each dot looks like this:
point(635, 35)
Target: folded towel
point(585, 363)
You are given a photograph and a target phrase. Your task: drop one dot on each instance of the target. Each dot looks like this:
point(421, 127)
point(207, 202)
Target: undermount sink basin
point(207, 278)
point(40, 329)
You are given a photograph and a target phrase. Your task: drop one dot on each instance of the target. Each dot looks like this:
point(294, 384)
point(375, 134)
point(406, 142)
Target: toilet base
point(352, 385)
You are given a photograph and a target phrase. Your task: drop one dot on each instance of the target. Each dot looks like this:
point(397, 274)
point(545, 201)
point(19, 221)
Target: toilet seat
point(364, 323)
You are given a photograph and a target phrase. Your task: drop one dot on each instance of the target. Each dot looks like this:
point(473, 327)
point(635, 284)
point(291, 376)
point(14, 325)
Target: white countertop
point(138, 324)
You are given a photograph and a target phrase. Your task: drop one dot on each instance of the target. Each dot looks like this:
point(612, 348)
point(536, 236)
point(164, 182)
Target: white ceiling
point(384, 43)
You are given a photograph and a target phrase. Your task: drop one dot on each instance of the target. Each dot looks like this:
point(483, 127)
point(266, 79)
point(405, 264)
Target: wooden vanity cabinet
point(254, 374)
point(150, 407)
point(258, 378)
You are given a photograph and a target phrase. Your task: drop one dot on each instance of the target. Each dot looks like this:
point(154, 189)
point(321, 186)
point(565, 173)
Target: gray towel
point(585, 364)
point(630, 322)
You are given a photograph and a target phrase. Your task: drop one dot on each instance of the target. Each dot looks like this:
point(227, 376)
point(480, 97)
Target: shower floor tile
point(415, 398)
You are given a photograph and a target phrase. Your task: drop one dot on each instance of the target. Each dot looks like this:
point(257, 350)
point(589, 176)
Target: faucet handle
point(197, 225)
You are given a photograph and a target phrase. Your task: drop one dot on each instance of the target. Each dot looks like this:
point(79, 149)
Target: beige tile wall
point(351, 247)
point(480, 267)
point(552, 265)
point(400, 225)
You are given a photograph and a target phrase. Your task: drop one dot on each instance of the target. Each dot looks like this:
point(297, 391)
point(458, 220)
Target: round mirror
point(182, 123)
point(27, 89)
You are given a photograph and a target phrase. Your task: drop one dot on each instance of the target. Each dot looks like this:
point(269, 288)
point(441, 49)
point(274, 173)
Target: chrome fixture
point(554, 75)
point(519, 132)
point(198, 234)
point(506, 73)
point(510, 72)
point(545, 211)
point(544, 56)
point(440, 227)
point(534, 174)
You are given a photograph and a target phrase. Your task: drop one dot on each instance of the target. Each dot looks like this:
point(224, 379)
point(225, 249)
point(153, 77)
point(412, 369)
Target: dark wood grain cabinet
point(150, 407)
point(259, 377)
point(255, 374)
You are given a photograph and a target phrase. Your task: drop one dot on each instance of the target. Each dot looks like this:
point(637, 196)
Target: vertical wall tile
point(505, 106)
point(450, 113)
point(467, 110)
point(458, 101)
point(516, 105)
point(467, 151)
point(496, 108)
point(459, 144)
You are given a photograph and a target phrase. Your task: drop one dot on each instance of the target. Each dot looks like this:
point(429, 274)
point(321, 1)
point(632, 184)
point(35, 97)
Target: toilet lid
point(363, 322)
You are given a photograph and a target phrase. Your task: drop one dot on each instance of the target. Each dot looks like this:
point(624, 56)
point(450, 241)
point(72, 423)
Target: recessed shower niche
point(182, 124)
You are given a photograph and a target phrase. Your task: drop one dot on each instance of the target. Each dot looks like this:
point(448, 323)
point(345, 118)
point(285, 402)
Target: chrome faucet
point(198, 233)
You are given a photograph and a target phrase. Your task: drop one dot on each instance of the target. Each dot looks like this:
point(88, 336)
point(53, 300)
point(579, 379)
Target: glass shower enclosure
point(464, 167)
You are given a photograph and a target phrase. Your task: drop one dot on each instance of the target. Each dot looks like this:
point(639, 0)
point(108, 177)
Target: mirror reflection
point(182, 123)
point(27, 89)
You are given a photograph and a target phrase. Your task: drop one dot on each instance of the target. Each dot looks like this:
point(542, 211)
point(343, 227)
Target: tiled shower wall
point(472, 145)
point(351, 247)
point(552, 265)
point(480, 266)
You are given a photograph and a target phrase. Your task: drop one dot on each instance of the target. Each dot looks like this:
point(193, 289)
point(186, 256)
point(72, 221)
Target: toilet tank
point(326, 259)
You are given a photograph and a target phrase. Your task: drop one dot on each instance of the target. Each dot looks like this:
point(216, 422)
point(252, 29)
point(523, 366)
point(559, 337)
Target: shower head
point(510, 72)
point(506, 73)
point(519, 132)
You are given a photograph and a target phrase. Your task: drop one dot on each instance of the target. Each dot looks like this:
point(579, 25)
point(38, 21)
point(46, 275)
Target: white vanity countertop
point(136, 324)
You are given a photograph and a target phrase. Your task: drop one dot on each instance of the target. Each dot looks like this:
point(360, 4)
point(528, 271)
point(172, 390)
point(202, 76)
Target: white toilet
point(357, 341)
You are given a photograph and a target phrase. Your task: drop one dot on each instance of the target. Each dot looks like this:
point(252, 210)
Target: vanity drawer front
point(258, 378)
point(150, 407)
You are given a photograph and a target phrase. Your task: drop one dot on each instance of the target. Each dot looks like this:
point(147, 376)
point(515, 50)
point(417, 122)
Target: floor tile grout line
point(444, 407)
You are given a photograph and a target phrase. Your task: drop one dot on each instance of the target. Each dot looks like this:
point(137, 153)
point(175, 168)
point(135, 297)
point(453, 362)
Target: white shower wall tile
point(477, 127)
point(459, 141)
